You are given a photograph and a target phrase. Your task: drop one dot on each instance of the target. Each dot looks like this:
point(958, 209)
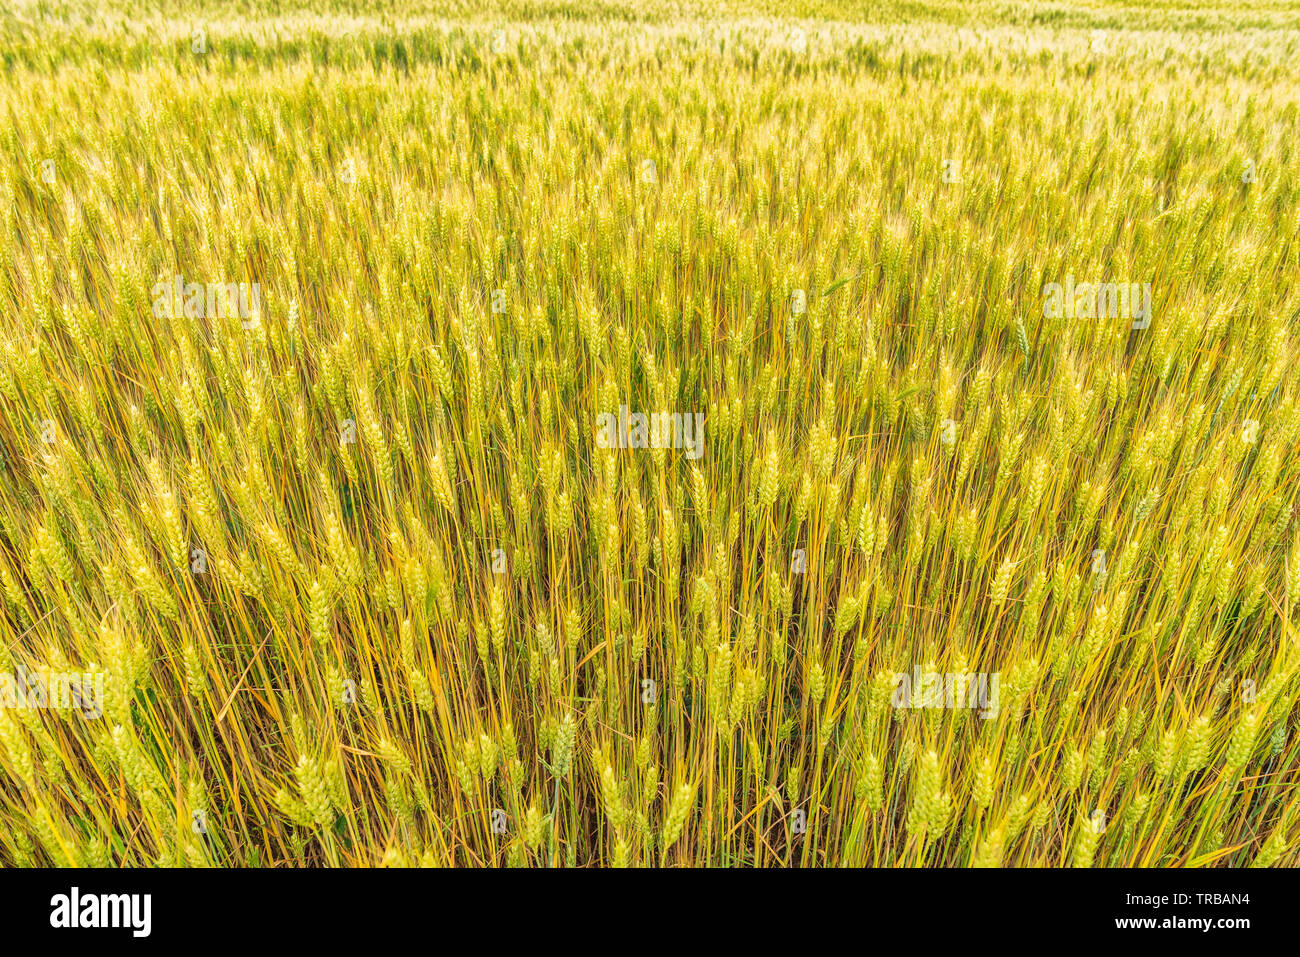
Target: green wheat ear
point(678, 809)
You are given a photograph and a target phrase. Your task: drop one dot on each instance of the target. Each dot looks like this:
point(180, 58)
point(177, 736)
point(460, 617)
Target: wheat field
point(650, 434)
